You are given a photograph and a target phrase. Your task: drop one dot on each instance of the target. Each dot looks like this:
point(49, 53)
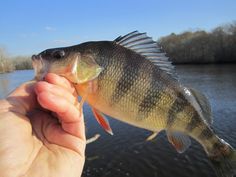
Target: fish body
point(131, 80)
point(132, 89)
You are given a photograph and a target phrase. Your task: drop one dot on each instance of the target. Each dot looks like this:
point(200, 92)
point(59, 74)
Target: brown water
point(127, 154)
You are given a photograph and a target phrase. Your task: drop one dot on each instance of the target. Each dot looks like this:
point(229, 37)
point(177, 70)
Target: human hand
point(42, 130)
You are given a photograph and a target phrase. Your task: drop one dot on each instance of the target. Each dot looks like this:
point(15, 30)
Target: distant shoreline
point(4, 72)
point(175, 64)
point(12, 64)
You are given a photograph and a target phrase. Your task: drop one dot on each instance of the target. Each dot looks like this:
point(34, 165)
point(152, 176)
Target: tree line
point(216, 46)
point(9, 64)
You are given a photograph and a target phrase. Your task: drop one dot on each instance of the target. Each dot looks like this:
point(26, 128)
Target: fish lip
point(39, 66)
point(34, 57)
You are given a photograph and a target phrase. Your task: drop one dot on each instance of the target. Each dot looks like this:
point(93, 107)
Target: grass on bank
point(9, 64)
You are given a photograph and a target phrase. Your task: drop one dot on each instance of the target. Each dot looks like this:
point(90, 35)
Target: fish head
point(76, 67)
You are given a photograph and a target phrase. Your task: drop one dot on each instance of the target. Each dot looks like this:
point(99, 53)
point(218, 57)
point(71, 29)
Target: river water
point(126, 153)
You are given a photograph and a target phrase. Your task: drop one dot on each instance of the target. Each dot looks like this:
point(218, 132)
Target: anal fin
point(180, 141)
point(102, 120)
point(152, 136)
point(94, 138)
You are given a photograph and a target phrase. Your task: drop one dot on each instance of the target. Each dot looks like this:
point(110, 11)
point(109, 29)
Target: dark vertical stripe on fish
point(194, 122)
point(128, 77)
point(206, 133)
point(177, 107)
point(105, 50)
point(152, 96)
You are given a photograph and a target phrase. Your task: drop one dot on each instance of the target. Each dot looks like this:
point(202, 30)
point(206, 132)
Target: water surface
point(127, 154)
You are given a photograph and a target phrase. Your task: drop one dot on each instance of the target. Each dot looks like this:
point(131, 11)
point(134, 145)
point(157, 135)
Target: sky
point(30, 26)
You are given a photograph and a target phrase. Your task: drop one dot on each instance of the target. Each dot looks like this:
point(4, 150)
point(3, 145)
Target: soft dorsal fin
point(145, 46)
point(204, 105)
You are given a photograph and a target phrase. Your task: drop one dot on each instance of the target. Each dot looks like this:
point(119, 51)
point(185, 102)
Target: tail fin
point(225, 166)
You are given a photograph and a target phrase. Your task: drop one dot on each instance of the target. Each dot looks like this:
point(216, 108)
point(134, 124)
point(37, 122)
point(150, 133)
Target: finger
point(58, 105)
point(23, 98)
point(50, 131)
point(61, 81)
point(70, 116)
point(43, 86)
point(55, 134)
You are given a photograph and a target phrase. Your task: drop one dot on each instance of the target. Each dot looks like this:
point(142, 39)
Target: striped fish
point(131, 79)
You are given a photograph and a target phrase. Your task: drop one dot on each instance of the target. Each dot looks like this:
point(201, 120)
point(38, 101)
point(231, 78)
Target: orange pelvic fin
point(102, 120)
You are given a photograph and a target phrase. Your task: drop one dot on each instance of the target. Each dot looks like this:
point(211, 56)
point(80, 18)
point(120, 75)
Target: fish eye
point(58, 54)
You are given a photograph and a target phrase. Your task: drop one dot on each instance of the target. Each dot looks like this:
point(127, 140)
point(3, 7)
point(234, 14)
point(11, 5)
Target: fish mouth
point(40, 67)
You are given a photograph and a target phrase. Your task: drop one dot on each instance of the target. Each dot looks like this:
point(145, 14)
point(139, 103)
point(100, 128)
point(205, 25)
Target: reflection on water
point(127, 154)
point(9, 81)
point(4, 85)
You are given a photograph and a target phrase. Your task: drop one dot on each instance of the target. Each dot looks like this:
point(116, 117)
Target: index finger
point(70, 116)
point(60, 81)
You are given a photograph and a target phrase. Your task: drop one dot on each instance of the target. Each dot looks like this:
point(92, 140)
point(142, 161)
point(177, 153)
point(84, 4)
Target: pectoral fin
point(180, 141)
point(102, 120)
point(83, 68)
point(87, 69)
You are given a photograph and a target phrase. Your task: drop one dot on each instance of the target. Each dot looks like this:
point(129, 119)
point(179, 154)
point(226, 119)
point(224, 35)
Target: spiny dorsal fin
point(145, 46)
point(180, 141)
point(204, 105)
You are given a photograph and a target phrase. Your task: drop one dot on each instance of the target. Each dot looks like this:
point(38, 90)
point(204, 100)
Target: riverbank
point(6, 66)
point(16, 63)
point(11, 63)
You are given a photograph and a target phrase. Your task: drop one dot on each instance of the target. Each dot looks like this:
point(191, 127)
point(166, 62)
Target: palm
point(34, 143)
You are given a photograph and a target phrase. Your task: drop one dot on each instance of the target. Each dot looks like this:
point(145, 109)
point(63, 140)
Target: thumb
point(23, 98)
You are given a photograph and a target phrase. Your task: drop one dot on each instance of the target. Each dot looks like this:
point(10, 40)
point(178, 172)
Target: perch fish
point(131, 79)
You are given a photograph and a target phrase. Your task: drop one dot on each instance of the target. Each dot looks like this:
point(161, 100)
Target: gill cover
point(84, 68)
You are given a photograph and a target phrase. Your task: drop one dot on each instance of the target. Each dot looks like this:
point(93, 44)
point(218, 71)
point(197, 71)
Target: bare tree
point(219, 45)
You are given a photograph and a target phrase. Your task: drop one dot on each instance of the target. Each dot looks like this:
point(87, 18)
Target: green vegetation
point(22, 62)
point(217, 46)
point(9, 64)
point(5, 64)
